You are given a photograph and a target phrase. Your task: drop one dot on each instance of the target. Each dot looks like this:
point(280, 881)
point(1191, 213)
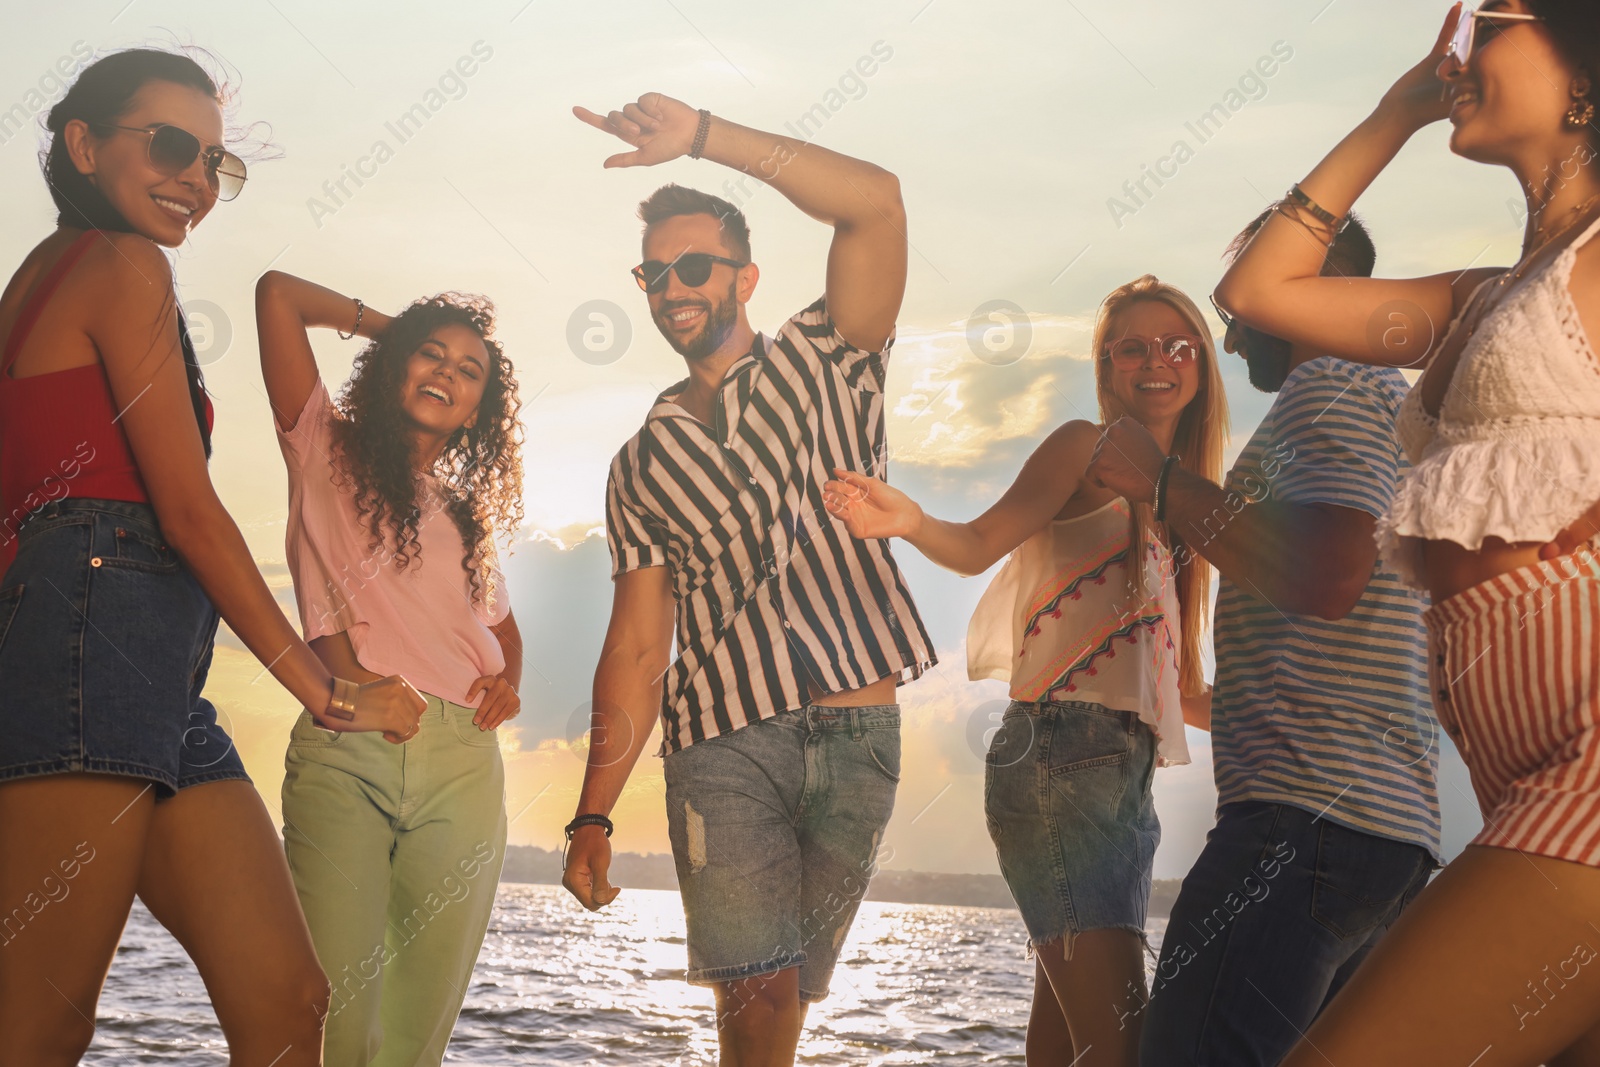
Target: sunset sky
point(1021, 133)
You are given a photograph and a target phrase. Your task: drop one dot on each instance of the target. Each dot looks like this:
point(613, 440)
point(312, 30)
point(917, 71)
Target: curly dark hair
point(480, 468)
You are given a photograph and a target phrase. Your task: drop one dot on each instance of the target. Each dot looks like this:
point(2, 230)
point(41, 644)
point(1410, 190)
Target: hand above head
point(500, 701)
point(1419, 96)
point(870, 507)
point(1127, 461)
point(658, 127)
point(587, 861)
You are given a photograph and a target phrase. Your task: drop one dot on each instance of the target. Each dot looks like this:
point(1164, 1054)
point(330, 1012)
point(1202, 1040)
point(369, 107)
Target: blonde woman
point(1095, 621)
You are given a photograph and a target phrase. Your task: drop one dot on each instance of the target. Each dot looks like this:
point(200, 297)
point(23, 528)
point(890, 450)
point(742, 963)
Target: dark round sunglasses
point(693, 269)
point(173, 150)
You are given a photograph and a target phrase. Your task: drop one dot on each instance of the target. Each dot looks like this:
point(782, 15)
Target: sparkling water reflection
point(554, 984)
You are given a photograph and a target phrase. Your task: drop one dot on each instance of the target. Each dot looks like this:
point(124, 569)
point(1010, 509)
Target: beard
point(1266, 357)
point(721, 317)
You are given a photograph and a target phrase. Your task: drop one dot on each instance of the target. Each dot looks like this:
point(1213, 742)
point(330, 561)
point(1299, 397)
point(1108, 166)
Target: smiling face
point(162, 207)
point(445, 379)
point(1152, 391)
point(696, 320)
point(1509, 98)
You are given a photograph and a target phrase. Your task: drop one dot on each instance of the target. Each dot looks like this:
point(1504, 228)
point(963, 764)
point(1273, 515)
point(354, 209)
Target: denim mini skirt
point(105, 641)
point(1069, 806)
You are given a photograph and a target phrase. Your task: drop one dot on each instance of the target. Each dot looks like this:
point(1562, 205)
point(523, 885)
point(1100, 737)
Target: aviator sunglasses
point(1466, 35)
point(693, 268)
point(173, 150)
point(1175, 349)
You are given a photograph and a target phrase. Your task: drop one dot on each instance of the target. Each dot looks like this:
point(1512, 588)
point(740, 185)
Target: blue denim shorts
point(105, 641)
point(1067, 796)
point(775, 829)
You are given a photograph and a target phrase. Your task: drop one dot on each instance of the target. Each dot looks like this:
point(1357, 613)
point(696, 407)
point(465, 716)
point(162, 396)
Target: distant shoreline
point(654, 870)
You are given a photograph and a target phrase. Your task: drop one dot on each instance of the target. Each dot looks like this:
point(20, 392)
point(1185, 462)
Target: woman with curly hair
point(395, 494)
point(116, 778)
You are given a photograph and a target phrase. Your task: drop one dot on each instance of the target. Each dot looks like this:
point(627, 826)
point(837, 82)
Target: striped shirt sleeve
point(1337, 434)
point(860, 368)
point(636, 539)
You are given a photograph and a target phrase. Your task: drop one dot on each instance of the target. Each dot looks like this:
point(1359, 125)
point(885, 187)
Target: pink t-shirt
point(421, 622)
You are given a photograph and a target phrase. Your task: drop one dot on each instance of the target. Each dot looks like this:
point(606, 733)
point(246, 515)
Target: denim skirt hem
point(1069, 807)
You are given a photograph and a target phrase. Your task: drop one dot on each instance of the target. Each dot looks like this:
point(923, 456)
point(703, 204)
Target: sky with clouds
point(1047, 151)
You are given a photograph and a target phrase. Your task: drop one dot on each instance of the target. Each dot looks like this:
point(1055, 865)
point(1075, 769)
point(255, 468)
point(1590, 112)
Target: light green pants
point(396, 853)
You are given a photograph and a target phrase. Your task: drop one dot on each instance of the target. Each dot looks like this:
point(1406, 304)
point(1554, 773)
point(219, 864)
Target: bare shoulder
point(1070, 438)
point(132, 263)
point(1064, 454)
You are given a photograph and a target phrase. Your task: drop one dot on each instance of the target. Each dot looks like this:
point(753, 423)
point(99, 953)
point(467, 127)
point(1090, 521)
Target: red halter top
point(59, 435)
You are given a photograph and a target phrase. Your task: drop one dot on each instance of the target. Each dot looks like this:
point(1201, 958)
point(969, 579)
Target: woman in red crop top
point(115, 778)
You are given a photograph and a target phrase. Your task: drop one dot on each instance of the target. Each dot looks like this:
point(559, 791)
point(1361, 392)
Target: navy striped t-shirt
point(1332, 717)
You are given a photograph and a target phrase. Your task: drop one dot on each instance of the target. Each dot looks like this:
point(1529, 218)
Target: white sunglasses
point(1467, 29)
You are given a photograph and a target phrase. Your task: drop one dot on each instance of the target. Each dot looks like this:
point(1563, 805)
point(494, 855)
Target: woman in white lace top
point(1498, 961)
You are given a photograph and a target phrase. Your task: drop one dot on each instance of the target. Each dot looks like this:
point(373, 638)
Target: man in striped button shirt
point(1323, 740)
point(780, 727)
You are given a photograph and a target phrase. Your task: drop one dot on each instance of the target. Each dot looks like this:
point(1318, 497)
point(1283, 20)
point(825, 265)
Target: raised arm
point(871, 508)
point(286, 308)
point(627, 702)
point(1276, 285)
point(135, 330)
point(861, 201)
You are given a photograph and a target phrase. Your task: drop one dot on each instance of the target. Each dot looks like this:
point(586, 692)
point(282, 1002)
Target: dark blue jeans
point(1277, 913)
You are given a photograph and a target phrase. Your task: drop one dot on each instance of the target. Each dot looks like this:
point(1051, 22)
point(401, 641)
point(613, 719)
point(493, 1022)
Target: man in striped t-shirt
point(780, 728)
point(1322, 729)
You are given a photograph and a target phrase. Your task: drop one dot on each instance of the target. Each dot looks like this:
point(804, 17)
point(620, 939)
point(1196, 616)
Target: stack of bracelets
point(1315, 219)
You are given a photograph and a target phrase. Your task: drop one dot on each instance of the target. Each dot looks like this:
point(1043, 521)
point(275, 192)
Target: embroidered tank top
point(1060, 623)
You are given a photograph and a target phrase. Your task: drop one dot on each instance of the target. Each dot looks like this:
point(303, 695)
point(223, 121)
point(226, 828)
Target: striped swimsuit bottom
point(1515, 669)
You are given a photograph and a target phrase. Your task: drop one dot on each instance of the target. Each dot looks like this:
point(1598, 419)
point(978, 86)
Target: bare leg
point(215, 876)
point(759, 1020)
point(1496, 963)
point(70, 850)
point(1049, 1038)
point(1094, 990)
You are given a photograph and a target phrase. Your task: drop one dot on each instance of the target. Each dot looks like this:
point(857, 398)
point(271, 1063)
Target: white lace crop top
point(1515, 450)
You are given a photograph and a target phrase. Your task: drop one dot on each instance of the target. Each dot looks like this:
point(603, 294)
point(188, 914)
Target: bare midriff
point(879, 692)
point(1451, 568)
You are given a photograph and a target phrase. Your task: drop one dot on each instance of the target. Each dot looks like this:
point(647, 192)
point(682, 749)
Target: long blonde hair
point(1199, 441)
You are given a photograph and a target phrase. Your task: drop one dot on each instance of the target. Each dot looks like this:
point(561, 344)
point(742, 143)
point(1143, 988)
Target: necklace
point(1541, 239)
point(1539, 243)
